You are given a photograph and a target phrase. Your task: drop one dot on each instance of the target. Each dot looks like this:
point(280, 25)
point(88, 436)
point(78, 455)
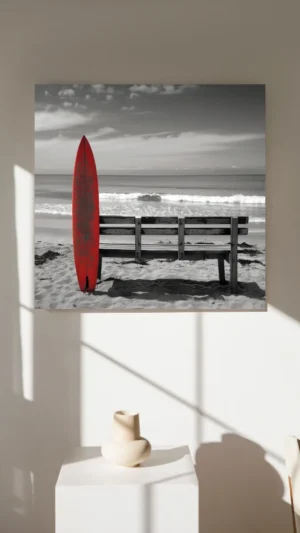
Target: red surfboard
point(85, 217)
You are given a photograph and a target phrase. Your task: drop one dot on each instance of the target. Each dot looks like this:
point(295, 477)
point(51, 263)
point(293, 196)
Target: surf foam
point(187, 198)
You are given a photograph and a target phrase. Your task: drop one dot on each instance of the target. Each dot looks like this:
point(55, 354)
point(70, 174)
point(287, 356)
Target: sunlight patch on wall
point(24, 200)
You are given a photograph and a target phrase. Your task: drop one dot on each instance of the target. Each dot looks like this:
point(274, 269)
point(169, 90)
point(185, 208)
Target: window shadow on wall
point(57, 400)
point(38, 429)
point(239, 491)
point(16, 413)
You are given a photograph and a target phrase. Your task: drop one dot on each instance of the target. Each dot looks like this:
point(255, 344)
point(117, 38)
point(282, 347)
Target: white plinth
point(161, 496)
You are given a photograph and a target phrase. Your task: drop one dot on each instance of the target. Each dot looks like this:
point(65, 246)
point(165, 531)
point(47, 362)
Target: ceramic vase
point(127, 448)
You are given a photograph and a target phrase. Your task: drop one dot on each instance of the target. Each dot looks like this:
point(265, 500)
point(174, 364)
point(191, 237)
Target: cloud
point(169, 144)
point(161, 150)
point(126, 108)
point(137, 90)
point(144, 112)
point(77, 86)
point(171, 89)
point(87, 97)
point(176, 89)
point(50, 107)
point(109, 97)
point(66, 92)
point(133, 95)
point(144, 89)
point(102, 132)
point(47, 93)
point(59, 119)
point(161, 134)
point(67, 104)
point(79, 106)
point(98, 88)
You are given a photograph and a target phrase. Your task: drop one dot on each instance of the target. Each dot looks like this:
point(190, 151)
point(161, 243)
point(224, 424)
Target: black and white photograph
point(150, 197)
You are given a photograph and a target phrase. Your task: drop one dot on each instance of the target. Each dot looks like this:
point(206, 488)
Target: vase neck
point(126, 426)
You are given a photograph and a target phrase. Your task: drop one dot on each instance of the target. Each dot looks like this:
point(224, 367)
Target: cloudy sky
point(188, 129)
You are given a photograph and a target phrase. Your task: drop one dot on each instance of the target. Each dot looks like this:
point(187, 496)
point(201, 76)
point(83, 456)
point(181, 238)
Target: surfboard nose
point(84, 141)
point(83, 144)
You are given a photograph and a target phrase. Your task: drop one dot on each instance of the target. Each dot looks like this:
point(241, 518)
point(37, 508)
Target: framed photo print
point(150, 197)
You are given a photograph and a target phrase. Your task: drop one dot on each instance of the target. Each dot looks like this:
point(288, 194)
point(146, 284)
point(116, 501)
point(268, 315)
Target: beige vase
point(127, 448)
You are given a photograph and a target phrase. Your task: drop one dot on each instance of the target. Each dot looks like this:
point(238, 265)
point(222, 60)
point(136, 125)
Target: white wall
point(227, 380)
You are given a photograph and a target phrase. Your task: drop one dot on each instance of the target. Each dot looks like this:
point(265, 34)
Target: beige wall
point(197, 377)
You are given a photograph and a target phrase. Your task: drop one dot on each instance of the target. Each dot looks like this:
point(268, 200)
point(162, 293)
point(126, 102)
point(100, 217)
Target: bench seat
point(166, 250)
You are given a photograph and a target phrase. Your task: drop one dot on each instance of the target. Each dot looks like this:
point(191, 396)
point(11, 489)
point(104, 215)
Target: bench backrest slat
point(159, 220)
point(115, 230)
point(213, 231)
point(130, 220)
point(214, 220)
point(116, 219)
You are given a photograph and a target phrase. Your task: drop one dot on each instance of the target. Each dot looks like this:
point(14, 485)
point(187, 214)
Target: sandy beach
point(155, 284)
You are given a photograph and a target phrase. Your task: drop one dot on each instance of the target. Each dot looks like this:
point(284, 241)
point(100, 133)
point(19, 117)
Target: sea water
point(160, 195)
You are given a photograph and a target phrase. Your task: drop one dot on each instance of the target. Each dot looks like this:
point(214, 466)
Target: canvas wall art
point(150, 197)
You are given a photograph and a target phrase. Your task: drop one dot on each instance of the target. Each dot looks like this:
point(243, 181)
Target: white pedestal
point(161, 496)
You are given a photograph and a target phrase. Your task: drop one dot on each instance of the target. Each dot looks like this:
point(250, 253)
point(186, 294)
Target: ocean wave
point(65, 210)
point(54, 209)
point(257, 220)
point(186, 198)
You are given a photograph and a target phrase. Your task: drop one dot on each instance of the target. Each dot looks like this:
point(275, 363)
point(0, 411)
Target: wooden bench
point(147, 225)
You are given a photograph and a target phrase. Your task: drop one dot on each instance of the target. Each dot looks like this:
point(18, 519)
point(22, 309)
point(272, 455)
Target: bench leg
point(233, 273)
point(99, 266)
point(221, 266)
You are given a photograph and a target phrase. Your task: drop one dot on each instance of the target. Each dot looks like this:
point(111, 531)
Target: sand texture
point(156, 284)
